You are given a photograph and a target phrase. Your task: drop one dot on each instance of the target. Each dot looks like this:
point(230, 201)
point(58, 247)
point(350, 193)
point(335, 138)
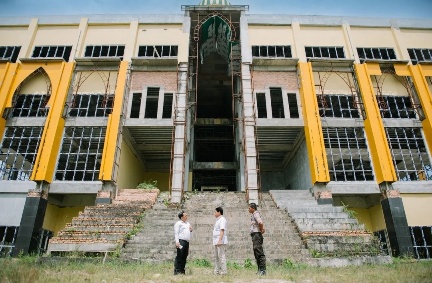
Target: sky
point(419, 9)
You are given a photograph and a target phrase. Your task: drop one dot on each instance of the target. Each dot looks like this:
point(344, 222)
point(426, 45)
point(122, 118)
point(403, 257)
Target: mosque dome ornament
point(214, 3)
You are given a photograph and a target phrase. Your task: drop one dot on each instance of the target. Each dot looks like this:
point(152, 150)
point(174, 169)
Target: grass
point(30, 269)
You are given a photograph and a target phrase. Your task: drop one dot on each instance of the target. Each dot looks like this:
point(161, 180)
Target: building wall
point(277, 35)
point(263, 80)
point(56, 217)
point(56, 35)
point(372, 218)
point(106, 35)
point(416, 38)
point(162, 179)
point(13, 35)
point(11, 208)
point(131, 170)
point(323, 36)
point(141, 80)
point(297, 174)
point(376, 37)
point(418, 209)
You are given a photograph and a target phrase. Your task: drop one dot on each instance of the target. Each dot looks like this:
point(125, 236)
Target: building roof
point(214, 2)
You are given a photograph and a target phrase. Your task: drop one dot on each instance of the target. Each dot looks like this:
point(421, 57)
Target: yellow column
point(419, 74)
point(52, 134)
point(7, 75)
point(112, 130)
point(374, 127)
point(313, 129)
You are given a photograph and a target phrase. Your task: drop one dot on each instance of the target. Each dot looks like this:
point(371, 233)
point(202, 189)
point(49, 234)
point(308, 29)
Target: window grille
point(158, 51)
point(277, 103)
point(80, 154)
point(105, 51)
point(338, 106)
point(324, 52)
point(30, 105)
point(396, 107)
point(18, 152)
point(261, 105)
point(416, 54)
point(152, 102)
point(409, 154)
point(8, 236)
point(9, 53)
point(347, 154)
point(91, 105)
point(376, 53)
point(382, 238)
point(277, 51)
point(421, 237)
point(52, 52)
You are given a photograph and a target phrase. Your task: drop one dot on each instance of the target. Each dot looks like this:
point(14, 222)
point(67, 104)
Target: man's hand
point(262, 231)
point(177, 245)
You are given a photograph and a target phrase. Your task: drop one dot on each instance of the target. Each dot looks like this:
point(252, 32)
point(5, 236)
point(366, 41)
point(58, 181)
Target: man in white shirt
point(182, 235)
point(219, 241)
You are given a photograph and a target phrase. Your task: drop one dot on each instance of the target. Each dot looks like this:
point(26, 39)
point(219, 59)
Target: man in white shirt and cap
point(219, 242)
point(182, 235)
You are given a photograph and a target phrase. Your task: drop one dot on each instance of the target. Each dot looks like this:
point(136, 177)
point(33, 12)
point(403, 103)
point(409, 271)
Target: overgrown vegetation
point(34, 269)
point(147, 185)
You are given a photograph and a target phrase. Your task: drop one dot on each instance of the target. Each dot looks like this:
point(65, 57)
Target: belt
point(253, 233)
point(184, 240)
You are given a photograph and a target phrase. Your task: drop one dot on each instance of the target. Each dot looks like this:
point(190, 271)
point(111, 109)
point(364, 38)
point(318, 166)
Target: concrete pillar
point(103, 197)
point(30, 229)
point(396, 222)
point(322, 194)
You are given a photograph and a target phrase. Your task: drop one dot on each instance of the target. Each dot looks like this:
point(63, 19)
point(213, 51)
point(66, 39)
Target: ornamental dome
point(214, 3)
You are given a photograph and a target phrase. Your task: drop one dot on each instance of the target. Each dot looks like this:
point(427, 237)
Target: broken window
point(347, 154)
point(9, 53)
point(152, 102)
point(91, 105)
point(167, 106)
point(409, 154)
point(80, 154)
point(338, 106)
point(293, 106)
point(416, 54)
point(275, 51)
point(382, 237)
point(8, 236)
point(105, 51)
point(18, 152)
point(136, 105)
point(376, 53)
point(325, 52)
point(52, 52)
point(158, 51)
point(29, 105)
point(277, 102)
point(261, 105)
point(421, 237)
point(396, 107)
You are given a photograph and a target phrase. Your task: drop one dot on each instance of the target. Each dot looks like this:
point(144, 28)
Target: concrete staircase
point(104, 228)
point(327, 230)
point(155, 243)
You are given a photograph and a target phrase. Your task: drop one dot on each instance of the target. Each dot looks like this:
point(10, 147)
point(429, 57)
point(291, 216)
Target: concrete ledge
point(17, 186)
point(355, 188)
point(413, 187)
point(96, 247)
point(74, 187)
point(355, 261)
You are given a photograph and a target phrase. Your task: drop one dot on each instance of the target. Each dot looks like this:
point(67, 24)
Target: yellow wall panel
point(372, 37)
point(162, 179)
point(131, 171)
point(56, 35)
point(377, 218)
point(277, 35)
point(56, 218)
point(418, 209)
point(313, 130)
point(322, 36)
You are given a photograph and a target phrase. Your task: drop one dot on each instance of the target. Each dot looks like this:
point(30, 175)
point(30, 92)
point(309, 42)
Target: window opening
point(383, 241)
point(277, 103)
point(136, 105)
point(105, 51)
point(18, 152)
point(293, 106)
point(340, 106)
point(167, 106)
point(277, 51)
point(152, 102)
point(396, 107)
point(261, 105)
point(91, 105)
point(421, 237)
point(376, 53)
point(324, 52)
point(158, 51)
point(347, 154)
point(8, 236)
point(409, 154)
point(417, 55)
point(53, 51)
point(80, 154)
point(30, 105)
point(9, 53)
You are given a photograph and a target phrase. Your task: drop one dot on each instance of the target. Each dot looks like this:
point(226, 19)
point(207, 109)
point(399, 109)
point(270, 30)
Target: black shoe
point(262, 273)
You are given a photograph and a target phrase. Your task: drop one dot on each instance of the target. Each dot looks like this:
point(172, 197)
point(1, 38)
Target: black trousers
point(258, 249)
point(180, 260)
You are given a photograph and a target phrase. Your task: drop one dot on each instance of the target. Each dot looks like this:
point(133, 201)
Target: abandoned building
point(215, 98)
